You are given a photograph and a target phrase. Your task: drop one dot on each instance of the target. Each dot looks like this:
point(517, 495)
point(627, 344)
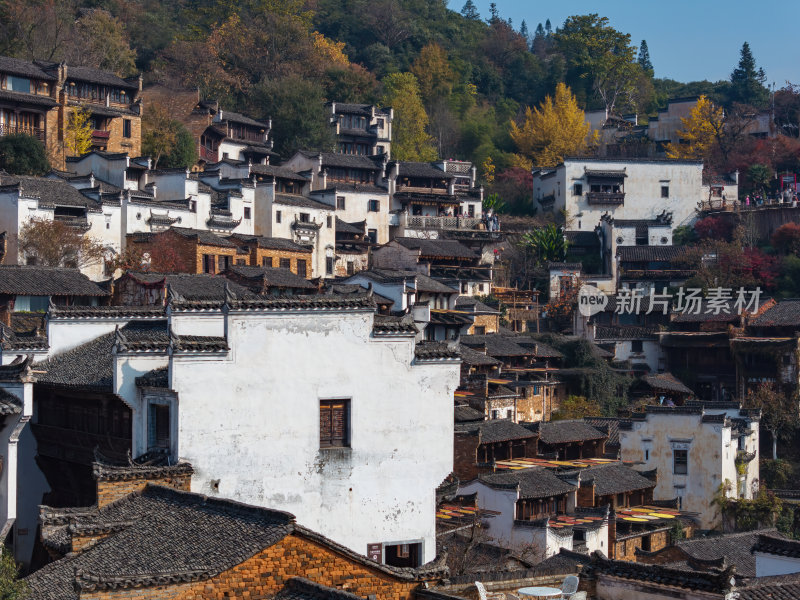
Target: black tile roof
point(650, 253)
point(785, 313)
point(98, 76)
point(351, 161)
point(277, 171)
point(154, 378)
point(193, 287)
point(272, 243)
point(666, 382)
point(301, 202)
point(233, 117)
point(88, 366)
point(55, 192)
point(422, 170)
point(615, 478)
point(391, 325)
point(23, 98)
point(768, 544)
point(360, 188)
point(726, 314)
point(466, 414)
point(204, 237)
point(474, 358)
point(496, 430)
point(27, 280)
point(735, 548)
point(533, 483)
point(436, 248)
point(351, 228)
point(563, 432)
point(353, 109)
point(271, 277)
point(161, 536)
point(564, 266)
point(607, 425)
point(299, 588)
point(17, 66)
point(435, 351)
point(497, 345)
point(344, 289)
point(317, 303)
point(717, 582)
point(115, 311)
point(777, 587)
point(9, 404)
point(474, 305)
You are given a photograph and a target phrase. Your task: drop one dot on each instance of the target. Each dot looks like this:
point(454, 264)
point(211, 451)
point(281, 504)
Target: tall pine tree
point(547, 27)
point(644, 59)
point(523, 30)
point(470, 11)
point(747, 81)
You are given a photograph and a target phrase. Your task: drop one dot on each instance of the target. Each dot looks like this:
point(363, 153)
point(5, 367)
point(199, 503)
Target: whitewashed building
point(696, 448)
point(306, 404)
point(628, 189)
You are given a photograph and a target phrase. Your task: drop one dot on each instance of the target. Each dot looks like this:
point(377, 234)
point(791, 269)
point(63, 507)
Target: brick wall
point(264, 574)
point(465, 456)
point(258, 254)
point(81, 541)
point(360, 263)
point(117, 143)
point(586, 495)
point(490, 322)
point(110, 490)
point(530, 407)
point(214, 251)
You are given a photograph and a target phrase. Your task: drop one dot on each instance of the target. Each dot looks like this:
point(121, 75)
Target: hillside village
point(241, 358)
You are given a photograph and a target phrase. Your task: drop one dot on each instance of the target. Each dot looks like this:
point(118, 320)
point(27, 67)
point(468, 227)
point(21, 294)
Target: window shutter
point(339, 424)
point(325, 424)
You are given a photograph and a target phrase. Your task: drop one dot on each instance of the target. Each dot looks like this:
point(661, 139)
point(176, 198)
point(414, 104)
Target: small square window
point(340, 202)
point(665, 191)
point(277, 216)
point(266, 261)
point(680, 464)
point(329, 221)
point(329, 265)
point(373, 205)
point(334, 423)
point(577, 189)
point(372, 235)
point(637, 346)
point(286, 263)
point(351, 267)
point(158, 426)
point(305, 218)
point(301, 268)
point(126, 128)
point(246, 212)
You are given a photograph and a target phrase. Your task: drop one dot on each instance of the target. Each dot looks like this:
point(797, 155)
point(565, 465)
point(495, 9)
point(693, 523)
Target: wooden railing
point(37, 132)
point(208, 155)
point(605, 197)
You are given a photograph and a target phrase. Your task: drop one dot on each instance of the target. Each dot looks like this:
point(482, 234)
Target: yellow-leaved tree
point(410, 139)
point(557, 128)
point(433, 73)
point(704, 123)
point(330, 49)
point(78, 138)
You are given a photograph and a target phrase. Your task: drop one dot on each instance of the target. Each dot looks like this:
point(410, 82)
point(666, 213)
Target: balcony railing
point(421, 222)
point(605, 197)
point(207, 154)
point(80, 223)
point(37, 132)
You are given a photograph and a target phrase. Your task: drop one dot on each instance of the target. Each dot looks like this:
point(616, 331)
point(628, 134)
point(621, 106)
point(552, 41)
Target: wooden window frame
point(334, 433)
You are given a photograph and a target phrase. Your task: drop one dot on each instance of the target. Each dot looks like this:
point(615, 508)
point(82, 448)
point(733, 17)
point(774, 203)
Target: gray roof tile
point(533, 483)
point(26, 280)
point(496, 430)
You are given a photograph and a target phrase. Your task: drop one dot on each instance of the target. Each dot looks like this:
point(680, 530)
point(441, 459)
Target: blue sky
point(688, 39)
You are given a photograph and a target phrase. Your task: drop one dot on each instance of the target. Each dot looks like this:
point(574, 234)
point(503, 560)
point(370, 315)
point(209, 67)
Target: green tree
point(747, 81)
point(184, 152)
point(297, 108)
point(99, 40)
point(159, 134)
point(547, 244)
point(470, 11)
point(759, 177)
point(22, 154)
point(410, 140)
point(78, 138)
point(644, 59)
point(11, 586)
point(556, 129)
point(599, 53)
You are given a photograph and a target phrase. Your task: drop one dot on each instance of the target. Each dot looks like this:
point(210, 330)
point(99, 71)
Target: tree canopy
point(747, 80)
point(22, 154)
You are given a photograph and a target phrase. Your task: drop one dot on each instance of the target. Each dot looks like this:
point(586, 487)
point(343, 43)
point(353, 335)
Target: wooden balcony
point(208, 155)
point(616, 198)
point(36, 132)
point(422, 222)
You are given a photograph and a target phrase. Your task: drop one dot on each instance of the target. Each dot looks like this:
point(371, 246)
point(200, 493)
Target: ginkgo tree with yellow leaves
point(78, 138)
point(700, 130)
point(557, 128)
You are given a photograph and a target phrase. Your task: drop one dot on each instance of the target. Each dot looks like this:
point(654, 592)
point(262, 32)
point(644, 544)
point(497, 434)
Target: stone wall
point(464, 456)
